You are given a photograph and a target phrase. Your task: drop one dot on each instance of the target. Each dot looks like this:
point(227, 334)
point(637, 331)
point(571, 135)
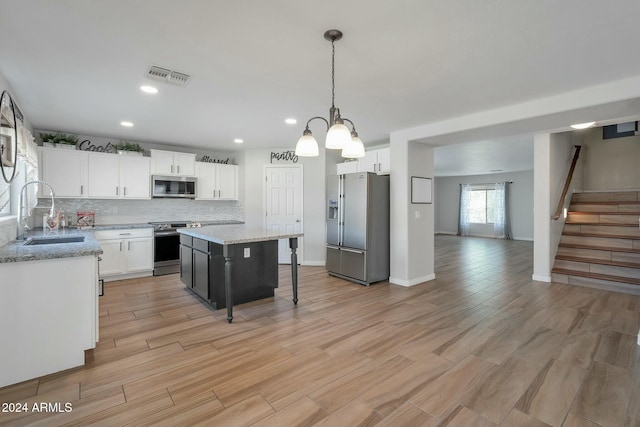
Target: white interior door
point(284, 205)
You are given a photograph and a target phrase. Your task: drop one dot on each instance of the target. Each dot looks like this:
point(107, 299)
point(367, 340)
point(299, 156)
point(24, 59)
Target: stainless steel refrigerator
point(358, 227)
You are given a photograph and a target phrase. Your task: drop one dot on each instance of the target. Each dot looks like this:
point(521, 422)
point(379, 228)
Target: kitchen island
point(227, 264)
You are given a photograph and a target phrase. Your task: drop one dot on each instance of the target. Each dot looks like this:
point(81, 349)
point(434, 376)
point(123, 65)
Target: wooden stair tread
point(599, 261)
point(602, 213)
point(605, 224)
point(608, 202)
point(628, 280)
point(608, 236)
point(598, 248)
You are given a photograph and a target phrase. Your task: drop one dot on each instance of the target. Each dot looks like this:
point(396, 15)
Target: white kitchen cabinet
point(65, 171)
point(135, 177)
point(103, 176)
point(377, 161)
point(115, 176)
point(126, 253)
point(216, 181)
point(49, 316)
point(347, 167)
point(173, 163)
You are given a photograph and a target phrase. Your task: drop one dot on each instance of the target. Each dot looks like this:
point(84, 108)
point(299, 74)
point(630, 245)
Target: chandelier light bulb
point(307, 146)
point(338, 137)
point(355, 149)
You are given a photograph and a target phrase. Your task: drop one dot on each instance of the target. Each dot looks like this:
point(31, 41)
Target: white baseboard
point(449, 233)
point(412, 282)
point(541, 278)
point(314, 263)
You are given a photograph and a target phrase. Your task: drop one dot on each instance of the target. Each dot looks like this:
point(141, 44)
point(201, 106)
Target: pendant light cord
point(333, 72)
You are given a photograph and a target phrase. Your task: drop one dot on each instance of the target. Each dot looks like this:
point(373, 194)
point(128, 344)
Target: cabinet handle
point(82, 189)
point(171, 168)
point(379, 167)
point(374, 167)
point(128, 246)
point(125, 190)
point(117, 191)
point(178, 169)
point(125, 234)
point(121, 246)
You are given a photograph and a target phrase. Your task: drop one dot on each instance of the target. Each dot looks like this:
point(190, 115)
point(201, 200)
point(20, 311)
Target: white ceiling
point(76, 65)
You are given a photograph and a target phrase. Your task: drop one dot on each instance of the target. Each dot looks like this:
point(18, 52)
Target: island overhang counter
point(227, 264)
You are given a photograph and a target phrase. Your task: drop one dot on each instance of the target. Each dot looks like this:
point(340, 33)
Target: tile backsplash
point(137, 211)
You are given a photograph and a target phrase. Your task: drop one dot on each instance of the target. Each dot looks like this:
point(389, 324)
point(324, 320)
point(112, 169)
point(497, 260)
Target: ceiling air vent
point(168, 76)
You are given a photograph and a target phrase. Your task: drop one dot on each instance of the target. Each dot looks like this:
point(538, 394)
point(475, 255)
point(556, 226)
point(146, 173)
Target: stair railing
point(556, 215)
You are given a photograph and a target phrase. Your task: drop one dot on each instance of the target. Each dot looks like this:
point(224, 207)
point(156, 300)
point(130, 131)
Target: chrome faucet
point(22, 220)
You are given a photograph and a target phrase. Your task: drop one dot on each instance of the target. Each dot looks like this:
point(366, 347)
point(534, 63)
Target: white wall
point(611, 164)
point(552, 158)
point(314, 169)
point(447, 203)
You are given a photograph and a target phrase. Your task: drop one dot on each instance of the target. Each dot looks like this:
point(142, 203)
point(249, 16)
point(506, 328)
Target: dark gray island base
point(232, 264)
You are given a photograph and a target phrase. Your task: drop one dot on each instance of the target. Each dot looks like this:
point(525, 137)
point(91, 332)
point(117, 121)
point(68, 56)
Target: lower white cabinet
point(126, 253)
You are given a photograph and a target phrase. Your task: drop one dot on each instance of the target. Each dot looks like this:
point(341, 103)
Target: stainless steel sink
point(53, 240)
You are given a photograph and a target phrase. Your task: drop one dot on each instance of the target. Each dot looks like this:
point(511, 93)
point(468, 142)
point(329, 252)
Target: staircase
point(600, 243)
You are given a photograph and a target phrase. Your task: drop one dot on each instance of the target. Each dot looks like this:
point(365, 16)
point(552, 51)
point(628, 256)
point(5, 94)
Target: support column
point(412, 225)
point(541, 208)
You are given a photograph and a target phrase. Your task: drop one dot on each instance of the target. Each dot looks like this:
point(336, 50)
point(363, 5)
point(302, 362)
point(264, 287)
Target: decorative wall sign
point(285, 156)
point(420, 190)
point(86, 145)
point(208, 159)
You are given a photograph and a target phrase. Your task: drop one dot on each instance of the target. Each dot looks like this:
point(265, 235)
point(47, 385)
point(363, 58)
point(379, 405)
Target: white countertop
point(233, 234)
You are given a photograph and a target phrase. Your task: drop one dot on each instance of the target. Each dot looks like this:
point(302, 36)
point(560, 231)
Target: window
point(481, 205)
point(5, 190)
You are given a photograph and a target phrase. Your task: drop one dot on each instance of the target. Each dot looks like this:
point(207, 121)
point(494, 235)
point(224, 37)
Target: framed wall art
point(421, 190)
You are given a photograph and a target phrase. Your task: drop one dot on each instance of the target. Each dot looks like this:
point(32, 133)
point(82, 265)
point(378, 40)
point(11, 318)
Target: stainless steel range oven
point(166, 246)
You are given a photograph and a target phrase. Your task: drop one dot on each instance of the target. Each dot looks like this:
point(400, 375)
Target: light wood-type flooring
point(482, 345)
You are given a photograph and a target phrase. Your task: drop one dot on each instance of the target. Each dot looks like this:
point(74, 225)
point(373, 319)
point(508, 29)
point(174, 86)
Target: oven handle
point(165, 233)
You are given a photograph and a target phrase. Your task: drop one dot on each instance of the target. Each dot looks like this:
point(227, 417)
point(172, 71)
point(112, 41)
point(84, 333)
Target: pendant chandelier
point(338, 135)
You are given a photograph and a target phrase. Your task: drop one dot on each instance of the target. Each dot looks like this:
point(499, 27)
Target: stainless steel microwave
point(173, 186)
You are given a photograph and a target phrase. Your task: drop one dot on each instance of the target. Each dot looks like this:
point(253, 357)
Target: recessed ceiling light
point(149, 89)
point(290, 121)
point(238, 141)
point(583, 125)
point(126, 124)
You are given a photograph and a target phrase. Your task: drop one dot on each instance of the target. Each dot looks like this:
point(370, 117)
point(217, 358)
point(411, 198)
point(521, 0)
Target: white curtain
point(463, 218)
point(501, 223)
point(28, 154)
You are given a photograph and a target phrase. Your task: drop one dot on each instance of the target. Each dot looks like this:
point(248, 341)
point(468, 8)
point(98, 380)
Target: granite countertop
point(233, 234)
point(17, 251)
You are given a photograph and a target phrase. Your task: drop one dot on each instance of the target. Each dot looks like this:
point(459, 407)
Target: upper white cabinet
point(81, 174)
point(216, 181)
point(347, 167)
point(113, 176)
point(172, 163)
point(65, 171)
point(377, 161)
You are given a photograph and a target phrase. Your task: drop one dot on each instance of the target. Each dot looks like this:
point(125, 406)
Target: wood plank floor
point(482, 345)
